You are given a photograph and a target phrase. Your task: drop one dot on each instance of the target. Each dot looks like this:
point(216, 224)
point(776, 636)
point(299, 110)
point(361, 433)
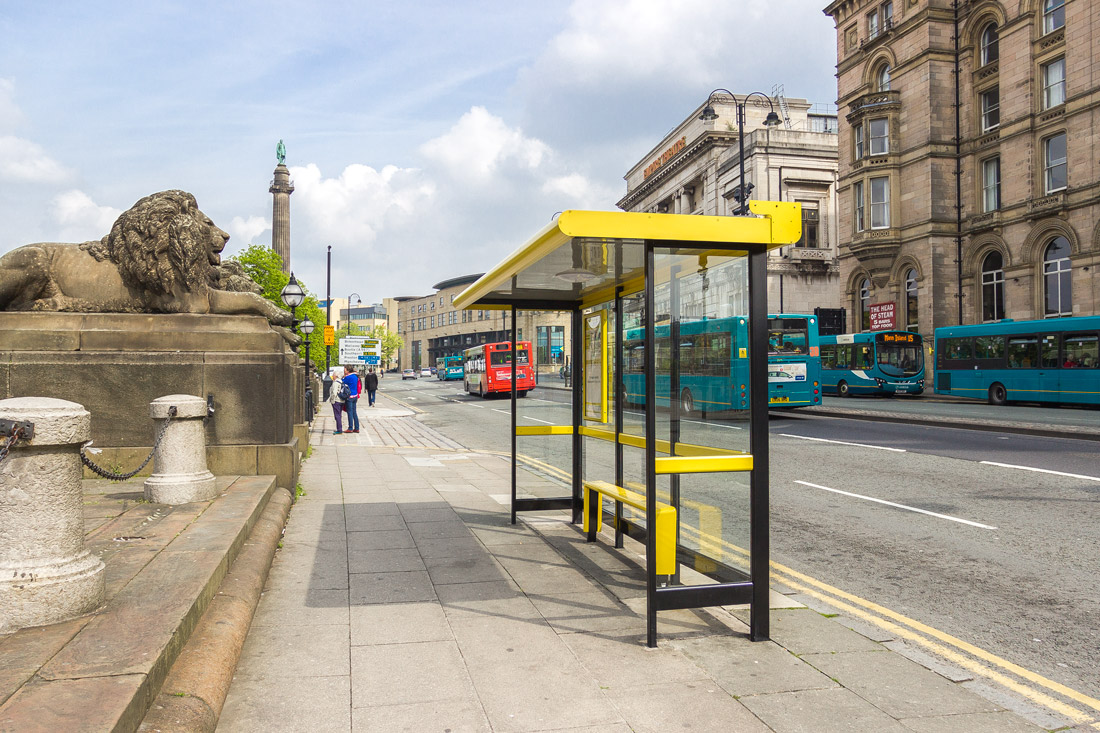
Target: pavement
point(403, 599)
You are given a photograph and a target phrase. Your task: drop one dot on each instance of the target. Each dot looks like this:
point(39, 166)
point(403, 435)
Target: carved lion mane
point(161, 256)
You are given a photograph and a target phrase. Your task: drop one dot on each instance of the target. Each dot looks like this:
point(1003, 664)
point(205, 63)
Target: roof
point(582, 256)
point(460, 280)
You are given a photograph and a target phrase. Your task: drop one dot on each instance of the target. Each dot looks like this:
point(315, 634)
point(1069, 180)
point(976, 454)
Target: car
point(425, 372)
point(408, 374)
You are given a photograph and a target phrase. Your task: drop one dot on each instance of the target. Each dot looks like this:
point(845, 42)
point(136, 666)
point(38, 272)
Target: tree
point(391, 342)
point(265, 267)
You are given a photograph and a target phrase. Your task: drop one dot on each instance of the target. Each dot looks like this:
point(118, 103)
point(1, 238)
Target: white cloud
point(10, 114)
point(80, 218)
point(243, 231)
point(362, 202)
point(24, 161)
point(580, 190)
point(481, 144)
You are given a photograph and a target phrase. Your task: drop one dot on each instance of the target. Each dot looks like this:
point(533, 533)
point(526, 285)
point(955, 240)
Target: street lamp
point(293, 296)
point(772, 120)
point(358, 302)
point(307, 327)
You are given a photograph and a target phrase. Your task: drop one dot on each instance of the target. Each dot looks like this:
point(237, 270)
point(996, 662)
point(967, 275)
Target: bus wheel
point(997, 394)
point(687, 402)
point(842, 389)
point(521, 393)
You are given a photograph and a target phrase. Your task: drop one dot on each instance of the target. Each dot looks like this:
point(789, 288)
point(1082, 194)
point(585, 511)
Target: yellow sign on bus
point(330, 336)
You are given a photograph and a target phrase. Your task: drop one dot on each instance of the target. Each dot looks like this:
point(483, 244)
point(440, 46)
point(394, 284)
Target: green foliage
point(265, 267)
point(391, 342)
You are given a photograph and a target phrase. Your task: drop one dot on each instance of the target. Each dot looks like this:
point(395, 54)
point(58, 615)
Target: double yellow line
point(979, 662)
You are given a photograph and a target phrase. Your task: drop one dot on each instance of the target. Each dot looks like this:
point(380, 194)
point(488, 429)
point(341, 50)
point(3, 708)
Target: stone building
point(695, 169)
point(976, 211)
point(432, 327)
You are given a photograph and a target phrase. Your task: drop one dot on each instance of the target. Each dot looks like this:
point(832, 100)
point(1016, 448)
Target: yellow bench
point(665, 529)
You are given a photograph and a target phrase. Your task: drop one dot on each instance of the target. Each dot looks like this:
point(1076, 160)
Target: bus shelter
point(664, 434)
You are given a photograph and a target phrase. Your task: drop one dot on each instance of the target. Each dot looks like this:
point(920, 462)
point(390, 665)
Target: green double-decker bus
point(448, 367)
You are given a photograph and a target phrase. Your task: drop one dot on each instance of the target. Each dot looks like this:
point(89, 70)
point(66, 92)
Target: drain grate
point(127, 538)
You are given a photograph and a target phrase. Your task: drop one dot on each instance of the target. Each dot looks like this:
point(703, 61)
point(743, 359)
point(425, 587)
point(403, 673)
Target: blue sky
point(426, 139)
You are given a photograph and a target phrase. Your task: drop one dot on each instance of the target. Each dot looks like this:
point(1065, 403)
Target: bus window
point(958, 348)
point(1023, 353)
point(504, 358)
point(1049, 351)
point(1082, 351)
point(989, 347)
point(865, 358)
point(787, 336)
point(828, 357)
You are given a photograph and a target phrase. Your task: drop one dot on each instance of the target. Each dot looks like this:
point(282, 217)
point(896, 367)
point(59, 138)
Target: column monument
point(281, 188)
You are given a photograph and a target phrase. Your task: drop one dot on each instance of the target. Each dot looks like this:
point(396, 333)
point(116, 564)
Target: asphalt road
point(990, 537)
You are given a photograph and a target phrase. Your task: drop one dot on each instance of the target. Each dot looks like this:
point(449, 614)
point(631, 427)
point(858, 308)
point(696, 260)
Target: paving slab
point(414, 672)
point(413, 622)
point(278, 703)
point(400, 587)
point(836, 710)
point(696, 705)
point(457, 716)
point(753, 668)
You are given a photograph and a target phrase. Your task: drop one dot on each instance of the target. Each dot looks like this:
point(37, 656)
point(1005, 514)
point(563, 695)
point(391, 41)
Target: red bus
point(488, 369)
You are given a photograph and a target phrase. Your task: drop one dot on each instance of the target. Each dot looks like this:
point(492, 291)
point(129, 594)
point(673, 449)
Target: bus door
point(1049, 373)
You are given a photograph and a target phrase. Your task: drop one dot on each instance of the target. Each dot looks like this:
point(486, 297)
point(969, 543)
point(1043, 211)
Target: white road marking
point(899, 506)
point(842, 442)
point(715, 424)
point(506, 412)
point(480, 407)
point(1043, 470)
point(544, 422)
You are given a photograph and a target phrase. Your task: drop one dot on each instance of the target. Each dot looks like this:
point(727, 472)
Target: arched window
point(1058, 291)
point(993, 288)
point(882, 78)
point(865, 305)
point(989, 44)
point(911, 312)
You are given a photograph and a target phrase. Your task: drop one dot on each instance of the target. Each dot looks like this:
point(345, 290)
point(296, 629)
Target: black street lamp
point(358, 302)
point(307, 327)
point(772, 120)
point(293, 296)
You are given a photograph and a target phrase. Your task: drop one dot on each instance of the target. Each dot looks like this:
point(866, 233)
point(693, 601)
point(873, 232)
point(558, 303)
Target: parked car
point(425, 372)
point(408, 374)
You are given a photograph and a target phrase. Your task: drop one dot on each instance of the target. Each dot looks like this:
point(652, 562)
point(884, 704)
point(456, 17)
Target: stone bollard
point(46, 574)
point(179, 464)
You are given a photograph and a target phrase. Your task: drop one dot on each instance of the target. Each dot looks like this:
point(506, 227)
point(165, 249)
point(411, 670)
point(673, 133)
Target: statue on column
point(280, 152)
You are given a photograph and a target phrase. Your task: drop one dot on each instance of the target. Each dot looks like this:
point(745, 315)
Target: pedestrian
point(337, 403)
point(371, 384)
point(355, 386)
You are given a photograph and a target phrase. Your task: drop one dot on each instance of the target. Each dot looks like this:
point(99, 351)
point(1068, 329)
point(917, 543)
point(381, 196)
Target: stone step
point(164, 565)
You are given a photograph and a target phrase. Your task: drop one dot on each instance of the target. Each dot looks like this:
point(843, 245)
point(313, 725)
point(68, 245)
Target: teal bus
point(874, 363)
point(714, 365)
point(1054, 360)
point(448, 367)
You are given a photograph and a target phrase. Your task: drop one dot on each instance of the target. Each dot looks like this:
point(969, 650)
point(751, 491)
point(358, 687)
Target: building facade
point(431, 328)
point(969, 184)
point(696, 169)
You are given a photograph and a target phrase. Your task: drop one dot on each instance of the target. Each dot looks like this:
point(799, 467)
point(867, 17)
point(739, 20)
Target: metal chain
point(16, 434)
point(123, 476)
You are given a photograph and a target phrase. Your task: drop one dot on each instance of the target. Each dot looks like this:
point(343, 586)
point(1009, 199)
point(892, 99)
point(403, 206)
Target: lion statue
point(162, 256)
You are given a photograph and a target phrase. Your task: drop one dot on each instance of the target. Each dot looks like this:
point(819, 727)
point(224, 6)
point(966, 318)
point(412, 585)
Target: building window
point(880, 203)
point(993, 288)
point(887, 15)
point(1054, 83)
point(1056, 279)
point(991, 108)
point(857, 195)
point(810, 230)
point(882, 79)
point(880, 136)
point(872, 25)
point(1054, 162)
point(989, 44)
point(865, 304)
point(991, 184)
point(911, 312)
point(1054, 15)
point(858, 132)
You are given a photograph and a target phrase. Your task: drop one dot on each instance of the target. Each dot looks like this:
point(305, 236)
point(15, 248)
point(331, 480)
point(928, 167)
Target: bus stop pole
point(578, 411)
point(620, 394)
point(515, 358)
point(759, 625)
point(650, 451)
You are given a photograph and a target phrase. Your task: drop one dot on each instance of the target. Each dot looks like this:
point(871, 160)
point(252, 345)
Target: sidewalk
point(403, 600)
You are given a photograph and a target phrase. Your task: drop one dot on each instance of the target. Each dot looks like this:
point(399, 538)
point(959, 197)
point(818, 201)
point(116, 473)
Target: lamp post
point(307, 328)
point(293, 295)
point(358, 302)
point(772, 120)
point(328, 310)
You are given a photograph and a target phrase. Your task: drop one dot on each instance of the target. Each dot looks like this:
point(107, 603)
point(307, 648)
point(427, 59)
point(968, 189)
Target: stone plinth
point(46, 574)
point(179, 475)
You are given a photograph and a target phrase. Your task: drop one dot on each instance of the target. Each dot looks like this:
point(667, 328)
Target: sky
point(426, 139)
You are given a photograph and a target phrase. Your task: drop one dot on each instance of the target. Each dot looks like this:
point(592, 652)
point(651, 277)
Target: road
point(988, 537)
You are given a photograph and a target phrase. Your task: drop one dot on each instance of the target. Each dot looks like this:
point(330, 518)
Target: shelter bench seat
point(665, 531)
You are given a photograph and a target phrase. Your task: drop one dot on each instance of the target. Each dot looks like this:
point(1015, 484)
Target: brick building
point(979, 210)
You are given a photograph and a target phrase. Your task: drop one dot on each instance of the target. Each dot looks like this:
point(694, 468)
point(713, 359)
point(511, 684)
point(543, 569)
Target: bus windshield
point(900, 355)
point(504, 358)
point(787, 336)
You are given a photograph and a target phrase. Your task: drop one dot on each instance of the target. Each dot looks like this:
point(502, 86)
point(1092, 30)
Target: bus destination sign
point(898, 338)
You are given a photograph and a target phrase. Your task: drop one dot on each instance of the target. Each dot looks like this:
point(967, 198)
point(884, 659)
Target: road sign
point(360, 350)
point(330, 336)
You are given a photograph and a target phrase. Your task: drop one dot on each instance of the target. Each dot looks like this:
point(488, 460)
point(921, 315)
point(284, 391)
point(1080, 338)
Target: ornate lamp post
point(293, 296)
point(772, 120)
point(307, 328)
point(358, 302)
